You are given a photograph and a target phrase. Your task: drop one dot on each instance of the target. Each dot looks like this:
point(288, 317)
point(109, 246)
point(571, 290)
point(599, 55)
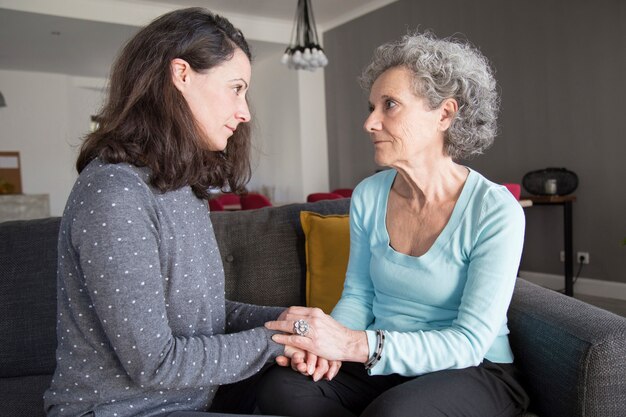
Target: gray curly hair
point(442, 69)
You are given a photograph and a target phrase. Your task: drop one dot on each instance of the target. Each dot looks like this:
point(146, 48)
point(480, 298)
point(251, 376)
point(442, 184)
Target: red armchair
point(215, 205)
point(515, 189)
point(229, 200)
point(345, 192)
point(311, 198)
point(254, 201)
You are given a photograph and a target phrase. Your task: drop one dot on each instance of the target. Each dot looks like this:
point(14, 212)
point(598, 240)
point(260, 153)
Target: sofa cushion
point(28, 264)
point(327, 248)
point(23, 397)
point(267, 246)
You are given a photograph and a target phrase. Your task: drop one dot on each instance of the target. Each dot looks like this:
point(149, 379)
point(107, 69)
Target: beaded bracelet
point(380, 341)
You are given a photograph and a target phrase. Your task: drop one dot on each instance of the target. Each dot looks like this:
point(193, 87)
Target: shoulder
point(370, 187)
point(100, 178)
point(108, 185)
point(494, 201)
point(99, 172)
point(369, 198)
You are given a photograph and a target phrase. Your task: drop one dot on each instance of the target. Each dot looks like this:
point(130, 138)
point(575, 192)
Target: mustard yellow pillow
point(327, 249)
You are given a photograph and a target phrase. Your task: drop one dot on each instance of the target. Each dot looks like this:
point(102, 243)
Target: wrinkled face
point(217, 97)
point(401, 124)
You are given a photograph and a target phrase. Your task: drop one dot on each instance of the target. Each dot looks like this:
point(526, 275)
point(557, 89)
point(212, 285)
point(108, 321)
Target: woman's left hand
point(325, 338)
point(308, 364)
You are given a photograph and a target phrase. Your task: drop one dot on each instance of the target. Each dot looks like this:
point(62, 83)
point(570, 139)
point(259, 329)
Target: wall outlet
point(582, 257)
point(579, 255)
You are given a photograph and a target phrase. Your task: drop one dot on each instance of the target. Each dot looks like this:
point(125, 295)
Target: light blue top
point(447, 308)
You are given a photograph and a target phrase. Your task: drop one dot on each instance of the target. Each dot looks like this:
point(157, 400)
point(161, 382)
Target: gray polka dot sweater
point(143, 326)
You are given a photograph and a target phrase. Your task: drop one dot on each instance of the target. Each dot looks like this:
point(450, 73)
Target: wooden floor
point(610, 304)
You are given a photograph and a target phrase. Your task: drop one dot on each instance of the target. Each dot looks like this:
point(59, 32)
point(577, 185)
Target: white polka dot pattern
point(142, 319)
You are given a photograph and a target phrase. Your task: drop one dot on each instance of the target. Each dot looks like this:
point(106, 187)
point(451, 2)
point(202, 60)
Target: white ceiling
point(326, 12)
point(37, 36)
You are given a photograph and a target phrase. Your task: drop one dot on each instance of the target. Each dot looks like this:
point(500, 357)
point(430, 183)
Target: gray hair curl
point(442, 69)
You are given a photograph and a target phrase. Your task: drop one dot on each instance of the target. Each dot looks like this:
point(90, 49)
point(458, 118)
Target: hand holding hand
point(325, 337)
point(295, 358)
point(309, 364)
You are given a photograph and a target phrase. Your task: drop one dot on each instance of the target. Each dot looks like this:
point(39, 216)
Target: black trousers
point(487, 390)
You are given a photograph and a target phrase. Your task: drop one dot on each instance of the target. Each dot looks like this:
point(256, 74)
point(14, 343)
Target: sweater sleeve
point(116, 237)
point(354, 308)
point(242, 316)
point(493, 262)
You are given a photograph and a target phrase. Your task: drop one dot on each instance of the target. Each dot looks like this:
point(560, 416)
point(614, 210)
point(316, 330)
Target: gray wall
point(560, 65)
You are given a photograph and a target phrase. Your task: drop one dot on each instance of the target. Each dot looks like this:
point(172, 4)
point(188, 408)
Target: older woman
point(435, 248)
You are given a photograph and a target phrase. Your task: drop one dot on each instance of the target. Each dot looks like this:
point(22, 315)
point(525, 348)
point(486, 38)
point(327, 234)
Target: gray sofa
point(572, 355)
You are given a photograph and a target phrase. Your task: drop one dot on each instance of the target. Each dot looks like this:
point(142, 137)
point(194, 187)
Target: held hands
point(325, 338)
point(305, 362)
point(309, 364)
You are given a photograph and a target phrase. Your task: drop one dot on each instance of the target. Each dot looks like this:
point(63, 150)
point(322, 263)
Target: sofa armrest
point(572, 354)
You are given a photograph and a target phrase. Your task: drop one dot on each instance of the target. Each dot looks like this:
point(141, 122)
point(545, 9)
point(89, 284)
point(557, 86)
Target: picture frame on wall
point(10, 173)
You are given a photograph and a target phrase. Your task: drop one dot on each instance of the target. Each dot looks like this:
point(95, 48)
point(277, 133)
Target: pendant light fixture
point(304, 50)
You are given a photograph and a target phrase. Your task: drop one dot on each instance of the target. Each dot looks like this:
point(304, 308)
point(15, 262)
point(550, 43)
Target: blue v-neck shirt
point(447, 308)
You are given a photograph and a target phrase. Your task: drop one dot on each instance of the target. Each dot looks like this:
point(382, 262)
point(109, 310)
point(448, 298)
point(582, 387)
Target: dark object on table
point(550, 181)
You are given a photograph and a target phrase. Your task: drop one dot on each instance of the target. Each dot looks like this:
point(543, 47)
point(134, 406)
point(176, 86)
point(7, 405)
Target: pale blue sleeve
point(493, 262)
point(354, 309)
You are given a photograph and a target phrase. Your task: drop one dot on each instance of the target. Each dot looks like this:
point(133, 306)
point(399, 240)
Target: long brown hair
point(146, 120)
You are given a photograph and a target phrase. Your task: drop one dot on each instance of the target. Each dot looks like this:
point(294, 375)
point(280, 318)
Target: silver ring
point(301, 327)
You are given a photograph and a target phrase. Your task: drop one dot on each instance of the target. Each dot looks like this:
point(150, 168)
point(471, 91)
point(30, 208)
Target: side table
point(568, 240)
